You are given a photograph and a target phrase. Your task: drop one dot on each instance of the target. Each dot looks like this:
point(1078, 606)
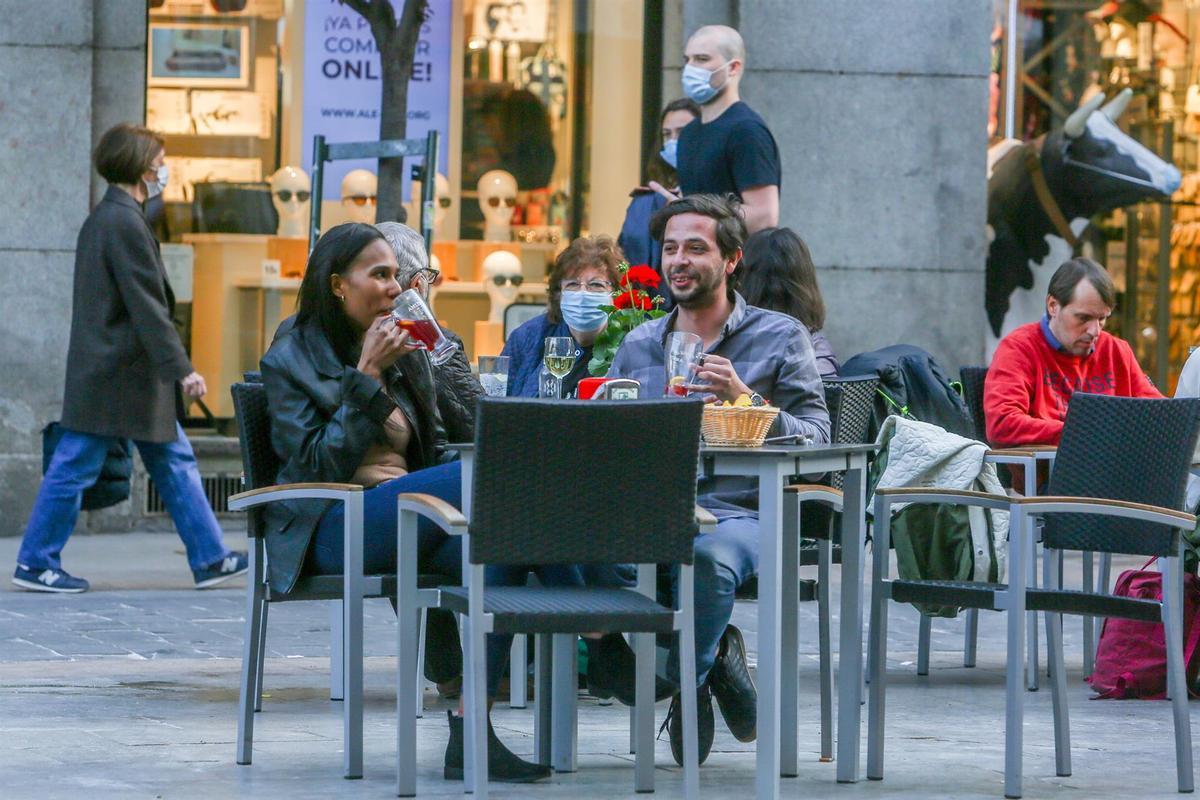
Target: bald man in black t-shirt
point(729, 148)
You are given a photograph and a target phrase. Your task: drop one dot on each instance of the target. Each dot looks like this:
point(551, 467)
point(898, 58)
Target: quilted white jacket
point(928, 456)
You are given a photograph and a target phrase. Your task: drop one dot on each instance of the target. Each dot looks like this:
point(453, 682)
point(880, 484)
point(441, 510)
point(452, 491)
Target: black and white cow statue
point(1087, 167)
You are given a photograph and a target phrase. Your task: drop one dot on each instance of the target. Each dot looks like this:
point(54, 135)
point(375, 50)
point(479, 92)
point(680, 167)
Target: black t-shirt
point(732, 153)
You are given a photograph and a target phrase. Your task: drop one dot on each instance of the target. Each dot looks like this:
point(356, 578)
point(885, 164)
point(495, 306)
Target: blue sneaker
point(221, 570)
point(48, 580)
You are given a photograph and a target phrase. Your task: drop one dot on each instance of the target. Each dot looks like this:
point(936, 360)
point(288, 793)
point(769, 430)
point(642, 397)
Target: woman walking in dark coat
point(125, 364)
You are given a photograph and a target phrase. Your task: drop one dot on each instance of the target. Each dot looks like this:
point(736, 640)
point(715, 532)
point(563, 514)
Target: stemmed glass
point(559, 357)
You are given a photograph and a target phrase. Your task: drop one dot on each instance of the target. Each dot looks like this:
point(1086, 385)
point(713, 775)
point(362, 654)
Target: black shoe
point(443, 652)
point(733, 688)
point(704, 725)
point(612, 671)
point(504, 766)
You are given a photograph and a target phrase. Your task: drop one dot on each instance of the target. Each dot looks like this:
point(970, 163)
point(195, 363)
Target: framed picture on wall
point(202, 55)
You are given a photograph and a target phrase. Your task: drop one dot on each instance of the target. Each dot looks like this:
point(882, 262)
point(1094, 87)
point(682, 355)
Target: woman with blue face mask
point(635, 240)
point(581, 283)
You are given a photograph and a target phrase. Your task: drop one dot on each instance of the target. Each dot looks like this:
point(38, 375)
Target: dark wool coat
point(125, 358)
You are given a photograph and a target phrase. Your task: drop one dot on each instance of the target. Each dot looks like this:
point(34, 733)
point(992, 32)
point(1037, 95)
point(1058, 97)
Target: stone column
point(68, 74)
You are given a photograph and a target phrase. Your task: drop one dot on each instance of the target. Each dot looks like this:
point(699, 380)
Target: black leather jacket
point(458, 393)
point(324, 416)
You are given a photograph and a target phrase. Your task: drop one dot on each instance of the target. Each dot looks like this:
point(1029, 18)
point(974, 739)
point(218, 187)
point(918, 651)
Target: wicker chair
point(615, 483)
point(260, 466)
point(1118, 479)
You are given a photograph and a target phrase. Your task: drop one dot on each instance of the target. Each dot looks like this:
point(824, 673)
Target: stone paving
point(130, 691)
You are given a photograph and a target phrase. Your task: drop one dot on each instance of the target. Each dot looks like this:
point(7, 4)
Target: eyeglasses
point(426, 277)
point(361, 199)
point(515, 280)
point(286, 195)
point(494, 202)
point(595, 286)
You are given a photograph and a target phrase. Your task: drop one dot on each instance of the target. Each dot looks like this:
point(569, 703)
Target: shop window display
point(230, 85)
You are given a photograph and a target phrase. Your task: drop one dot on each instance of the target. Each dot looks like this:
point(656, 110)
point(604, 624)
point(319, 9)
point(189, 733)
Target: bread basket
point(737, 426)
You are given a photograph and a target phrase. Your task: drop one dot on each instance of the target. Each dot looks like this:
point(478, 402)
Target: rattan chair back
point(596, 482)
point(851, 403)
point(1122, 448)
point(260, 465)
point(972, 382)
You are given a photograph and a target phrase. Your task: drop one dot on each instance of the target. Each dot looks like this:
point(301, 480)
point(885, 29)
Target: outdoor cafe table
point(774, 466)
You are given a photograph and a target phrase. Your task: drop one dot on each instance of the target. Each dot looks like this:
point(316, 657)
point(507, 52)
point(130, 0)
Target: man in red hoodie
point(1039, 366)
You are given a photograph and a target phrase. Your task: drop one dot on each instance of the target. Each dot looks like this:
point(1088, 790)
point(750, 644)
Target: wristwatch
point(757, 399)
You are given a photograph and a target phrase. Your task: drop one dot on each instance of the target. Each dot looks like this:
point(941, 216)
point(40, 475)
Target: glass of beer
point(682, 359)
point(413, 315)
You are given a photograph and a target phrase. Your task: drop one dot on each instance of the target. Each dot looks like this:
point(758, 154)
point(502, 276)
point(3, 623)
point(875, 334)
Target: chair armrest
point(818, 493)
point(444, 515)
point(291, 491)
point(1112, 508)
point(705, 519)
point(962, 497)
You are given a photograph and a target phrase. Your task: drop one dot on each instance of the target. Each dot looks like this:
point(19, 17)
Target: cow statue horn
point(1116, 107)
point(1076, 123)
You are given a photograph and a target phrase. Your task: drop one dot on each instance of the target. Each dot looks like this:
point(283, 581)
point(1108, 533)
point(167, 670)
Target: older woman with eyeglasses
point(582, 280)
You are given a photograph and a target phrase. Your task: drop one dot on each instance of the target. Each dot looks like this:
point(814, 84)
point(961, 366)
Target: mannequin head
point(291, 193)
point(497, 197)
point(442, 202)
point(359, 189)
point(501, 280)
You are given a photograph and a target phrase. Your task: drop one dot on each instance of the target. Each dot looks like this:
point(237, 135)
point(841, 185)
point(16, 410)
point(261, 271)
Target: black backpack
point(912, 385)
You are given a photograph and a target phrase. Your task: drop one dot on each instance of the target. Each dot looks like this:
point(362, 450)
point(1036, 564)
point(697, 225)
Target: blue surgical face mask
point(670, 153)
point(697, 83)
point(581, 310)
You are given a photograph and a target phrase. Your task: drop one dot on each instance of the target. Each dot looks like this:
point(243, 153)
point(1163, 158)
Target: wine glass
point(559, 357)
point(413, 315)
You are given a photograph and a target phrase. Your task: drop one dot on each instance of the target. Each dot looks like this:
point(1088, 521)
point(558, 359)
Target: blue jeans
point(76, 465)
point(724, 560)
point(437, 552)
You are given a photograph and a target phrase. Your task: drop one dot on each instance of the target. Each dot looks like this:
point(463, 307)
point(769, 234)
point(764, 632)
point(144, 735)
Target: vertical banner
point(343, 83)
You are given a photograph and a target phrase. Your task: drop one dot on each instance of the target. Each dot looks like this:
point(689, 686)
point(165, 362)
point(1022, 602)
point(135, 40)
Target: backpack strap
point(899, 409)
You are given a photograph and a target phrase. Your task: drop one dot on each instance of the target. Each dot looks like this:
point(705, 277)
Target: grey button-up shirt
point(771, 352)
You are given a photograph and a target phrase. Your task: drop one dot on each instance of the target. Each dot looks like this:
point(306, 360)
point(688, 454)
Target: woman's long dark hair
point(778, 274)
point(333, 254)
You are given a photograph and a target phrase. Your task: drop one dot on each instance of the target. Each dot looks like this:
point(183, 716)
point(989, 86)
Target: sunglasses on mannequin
point(286, 195)
point(515, 280)
point(494, 202)
point(361, 199)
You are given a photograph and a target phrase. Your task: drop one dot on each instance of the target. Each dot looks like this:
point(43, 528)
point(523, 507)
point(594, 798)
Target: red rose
point(642, 275)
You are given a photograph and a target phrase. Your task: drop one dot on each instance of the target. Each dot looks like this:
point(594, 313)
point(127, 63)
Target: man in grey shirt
point(747, 350)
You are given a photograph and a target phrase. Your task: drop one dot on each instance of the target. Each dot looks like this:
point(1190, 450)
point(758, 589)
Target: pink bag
point(1131, 661)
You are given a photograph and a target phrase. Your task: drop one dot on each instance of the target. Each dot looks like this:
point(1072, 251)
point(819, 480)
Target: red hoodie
point(1029, 384)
